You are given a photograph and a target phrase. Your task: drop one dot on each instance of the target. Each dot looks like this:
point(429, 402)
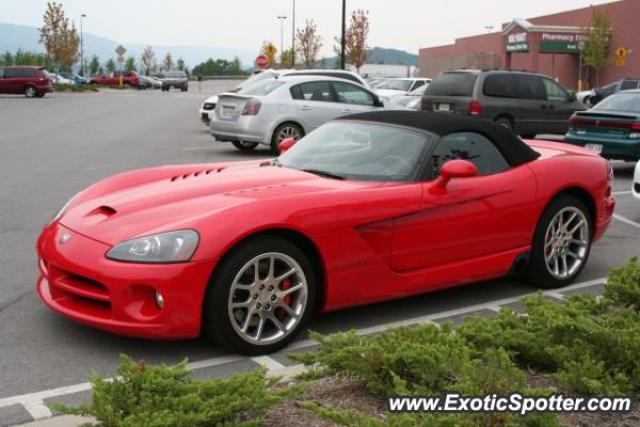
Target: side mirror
point(286, 144)
point(453, 169)
point(377, 102)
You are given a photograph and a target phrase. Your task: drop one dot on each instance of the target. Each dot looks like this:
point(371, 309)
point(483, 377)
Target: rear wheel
point(30, 92)
point(260, 296)
point(282, 132)
point(245, 145)
point(561, 243)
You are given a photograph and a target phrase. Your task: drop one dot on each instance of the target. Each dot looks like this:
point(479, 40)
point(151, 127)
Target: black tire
point(244, 146)
point(276, 137)
point(217, 322)
point(537, 270)
point(504, 122)
point(40, 95)
point(30, 92)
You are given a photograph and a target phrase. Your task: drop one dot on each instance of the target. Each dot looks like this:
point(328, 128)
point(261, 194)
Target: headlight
point(64, 208)
point(174, 246)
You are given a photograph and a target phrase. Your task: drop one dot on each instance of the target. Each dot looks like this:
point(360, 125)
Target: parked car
point(370, 207)
point(144, 82)
point(128, 78)
point(31, 81)
point(526, 103)
point(635, 186)
point(411, 100)
point(175, 79)
point(400, 86)
point(289, 107)
point(598, 94)
point(611, 128)
point(210, 103)
point(75, 78)
point(60, 79)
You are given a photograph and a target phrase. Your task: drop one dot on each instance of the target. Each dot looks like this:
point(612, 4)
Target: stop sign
point(262, 61)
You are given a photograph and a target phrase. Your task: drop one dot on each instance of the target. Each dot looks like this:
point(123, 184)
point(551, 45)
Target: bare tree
point(148, 60)
point(598, 33)
point(167, 63)
point(355, 39)
point(308, 44)
point(60, 38)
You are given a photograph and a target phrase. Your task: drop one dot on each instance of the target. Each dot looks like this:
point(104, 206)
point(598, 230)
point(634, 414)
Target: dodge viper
point(368, 207)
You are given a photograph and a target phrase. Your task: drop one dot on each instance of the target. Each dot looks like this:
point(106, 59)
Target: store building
point(547, 44)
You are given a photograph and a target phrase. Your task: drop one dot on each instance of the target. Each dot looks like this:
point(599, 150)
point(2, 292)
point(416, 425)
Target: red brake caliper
point(286, 284)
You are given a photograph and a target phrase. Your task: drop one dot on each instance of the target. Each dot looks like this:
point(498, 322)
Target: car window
point(313, 91)
point(620, 102)
point(395, 84)
point(500, 85)
point(555, 92)
point(417, 84)
point(452, 84)
point(350, 94)
point(1, 73)
point(11, 73)
point(470, 146)
point(530, 87)
point(629, 84)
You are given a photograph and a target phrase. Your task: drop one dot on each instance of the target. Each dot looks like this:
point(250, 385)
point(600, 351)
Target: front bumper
point(635, 185)
point(204, 116)
point(79, 282)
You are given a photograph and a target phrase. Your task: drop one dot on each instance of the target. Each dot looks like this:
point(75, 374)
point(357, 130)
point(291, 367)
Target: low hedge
point(587, 345)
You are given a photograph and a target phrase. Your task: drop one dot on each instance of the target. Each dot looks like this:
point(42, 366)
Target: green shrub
point(168, 396)
point(623, 285)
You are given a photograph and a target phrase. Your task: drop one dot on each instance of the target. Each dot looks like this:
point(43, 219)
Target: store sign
point(561, 43)
point(517, 43)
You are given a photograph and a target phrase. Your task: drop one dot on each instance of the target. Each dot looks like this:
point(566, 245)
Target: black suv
point(526, 103)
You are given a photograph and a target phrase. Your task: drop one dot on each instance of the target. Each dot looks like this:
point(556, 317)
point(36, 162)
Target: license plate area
point(443, 107)
point(596, 148)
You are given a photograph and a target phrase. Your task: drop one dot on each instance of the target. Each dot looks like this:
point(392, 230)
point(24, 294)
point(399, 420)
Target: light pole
point(81, 46)
point(293, 35)
point(344, 29)
point(282, 19)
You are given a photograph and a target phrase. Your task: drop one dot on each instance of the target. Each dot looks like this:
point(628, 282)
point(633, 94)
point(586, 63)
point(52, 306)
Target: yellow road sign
point(621, 53)
point(270, 50)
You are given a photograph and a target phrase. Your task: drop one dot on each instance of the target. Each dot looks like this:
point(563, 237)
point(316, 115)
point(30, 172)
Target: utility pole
point(282, 19)
point(293, 36)
point(81, 47)
point(344, 29)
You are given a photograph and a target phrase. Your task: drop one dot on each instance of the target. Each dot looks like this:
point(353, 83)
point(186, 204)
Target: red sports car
point(366, 208)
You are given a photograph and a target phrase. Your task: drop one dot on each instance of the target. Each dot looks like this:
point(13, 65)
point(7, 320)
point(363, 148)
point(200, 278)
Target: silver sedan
point(270, 111)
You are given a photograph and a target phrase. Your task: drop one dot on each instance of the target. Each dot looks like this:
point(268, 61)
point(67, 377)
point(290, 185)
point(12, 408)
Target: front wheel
point(282, 132)
point(561, 243)
point(30, 92)
point(260, 296)
point(244, 145)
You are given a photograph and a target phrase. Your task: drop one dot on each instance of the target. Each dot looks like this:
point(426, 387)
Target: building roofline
point(533, 28)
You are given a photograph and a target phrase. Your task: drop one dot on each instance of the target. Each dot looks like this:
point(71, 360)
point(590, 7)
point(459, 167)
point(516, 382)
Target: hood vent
point(197, 174)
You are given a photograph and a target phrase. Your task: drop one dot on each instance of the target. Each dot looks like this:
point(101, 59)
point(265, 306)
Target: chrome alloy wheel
point(267, 298)
point(566, 242)
point(288, 132)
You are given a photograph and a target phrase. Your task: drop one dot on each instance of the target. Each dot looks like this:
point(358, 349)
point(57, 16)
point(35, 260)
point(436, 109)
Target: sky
point(401, 24)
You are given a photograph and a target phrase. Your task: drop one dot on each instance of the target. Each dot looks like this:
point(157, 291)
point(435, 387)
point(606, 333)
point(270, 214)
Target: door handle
point(305, 108)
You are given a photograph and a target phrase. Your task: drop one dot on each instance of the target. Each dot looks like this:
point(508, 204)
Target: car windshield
point(452, 84)
point(176, 75)
point(359, 151)
point(257, 77)
point(261, 88)
point(620, 102)
point(391, 84)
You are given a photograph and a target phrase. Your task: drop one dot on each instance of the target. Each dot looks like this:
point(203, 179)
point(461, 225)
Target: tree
point(110, 65)
point(308, 44)
point(180, 64)
point(167, 63)
point(218, 67)
point(7, 59)
point(148, 60)
point(130, 64)
point(94, 65)
point(355, 39)
point(60, 39)
point(285, 59)
point(598, 35)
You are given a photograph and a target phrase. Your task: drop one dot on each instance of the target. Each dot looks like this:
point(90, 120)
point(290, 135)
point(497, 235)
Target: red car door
point(475, 217)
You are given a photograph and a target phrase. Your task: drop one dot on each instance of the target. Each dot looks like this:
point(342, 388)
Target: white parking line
point(620, 193)
point(626, 221)
point(34, 402)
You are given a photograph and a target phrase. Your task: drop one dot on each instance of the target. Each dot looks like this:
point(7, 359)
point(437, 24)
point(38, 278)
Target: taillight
point(475, 108)
point(252, 107)
point(635, 126)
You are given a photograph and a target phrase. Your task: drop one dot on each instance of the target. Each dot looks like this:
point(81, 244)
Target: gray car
point(175, 79)
point(289, 107)
point(527, 103)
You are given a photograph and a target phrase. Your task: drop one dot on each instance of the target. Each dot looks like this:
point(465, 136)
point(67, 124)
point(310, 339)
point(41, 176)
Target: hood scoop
point(196, 174)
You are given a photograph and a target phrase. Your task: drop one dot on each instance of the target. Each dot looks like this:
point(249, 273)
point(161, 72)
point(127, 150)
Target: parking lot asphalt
point(51, 148)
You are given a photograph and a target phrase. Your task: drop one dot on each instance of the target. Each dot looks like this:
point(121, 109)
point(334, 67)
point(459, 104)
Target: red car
point(129, 78)
point(31, 81)
point(366, 208)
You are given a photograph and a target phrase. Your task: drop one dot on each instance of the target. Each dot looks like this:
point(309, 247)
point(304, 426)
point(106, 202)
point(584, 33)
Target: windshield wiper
point(324, 174)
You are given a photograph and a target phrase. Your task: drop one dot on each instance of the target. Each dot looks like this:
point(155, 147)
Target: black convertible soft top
point(515, 151)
